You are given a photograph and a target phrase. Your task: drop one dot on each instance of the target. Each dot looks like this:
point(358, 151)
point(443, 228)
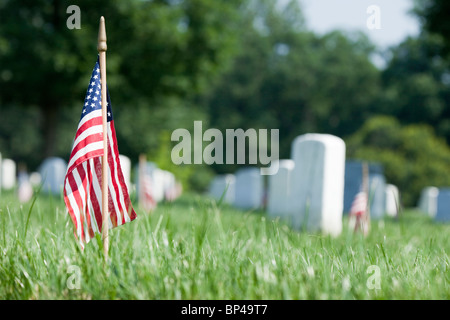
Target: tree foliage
point(417, 84)
point(230, 63)
point(158, 51)
point(413, 156)
point(288, 78)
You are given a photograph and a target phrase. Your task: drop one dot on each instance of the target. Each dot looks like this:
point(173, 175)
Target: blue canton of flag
point(93, 99)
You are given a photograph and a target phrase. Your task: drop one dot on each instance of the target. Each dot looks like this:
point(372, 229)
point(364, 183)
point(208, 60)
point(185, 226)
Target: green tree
point(435, 18)
point(413, 156)
point(290, 79)
point(158, 52)
point(417, 84)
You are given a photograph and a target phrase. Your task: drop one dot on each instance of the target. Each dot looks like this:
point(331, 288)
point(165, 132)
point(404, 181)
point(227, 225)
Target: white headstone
point(279, 189)
point(158, 177)
point(443, 205)
point(249, 188)
point(125, 164)
point(223, 184)
point(392, 200)
point(35, 179)
point(53, 171)
point(8, 174)
point(169, 185)
point(25, 189)
point(317, 193)
point(428, 201)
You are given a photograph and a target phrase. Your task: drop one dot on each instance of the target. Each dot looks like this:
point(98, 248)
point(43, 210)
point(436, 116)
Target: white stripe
point(98, 192)
point(90, 116)
point(112, 193)
point(90, 131)
point(74, 206)
point(89, 148)
point(91, 208)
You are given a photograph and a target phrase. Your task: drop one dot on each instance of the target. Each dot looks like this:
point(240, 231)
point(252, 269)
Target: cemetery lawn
point(196, 249)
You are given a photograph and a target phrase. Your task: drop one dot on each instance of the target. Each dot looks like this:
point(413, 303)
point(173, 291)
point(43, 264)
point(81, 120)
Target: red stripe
point(96, 137)
point(70, 209)
point(82, 174)
point(76, 195)
point(111, 211)
point(87, 156)
point(93, 195)
point(130, 211)
point(87, 125)
point(112, 167)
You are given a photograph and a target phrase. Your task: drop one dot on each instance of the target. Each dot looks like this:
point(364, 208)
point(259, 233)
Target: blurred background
point(298, 66)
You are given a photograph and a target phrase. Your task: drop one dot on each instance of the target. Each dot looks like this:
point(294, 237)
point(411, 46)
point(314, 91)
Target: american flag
point(83, 180)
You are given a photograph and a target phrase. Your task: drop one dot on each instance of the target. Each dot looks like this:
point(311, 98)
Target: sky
point(394, 20)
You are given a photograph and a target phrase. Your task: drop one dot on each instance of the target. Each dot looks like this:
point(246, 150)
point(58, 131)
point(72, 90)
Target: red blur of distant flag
point(148, 203)
point(83, 181)
point(358, 212)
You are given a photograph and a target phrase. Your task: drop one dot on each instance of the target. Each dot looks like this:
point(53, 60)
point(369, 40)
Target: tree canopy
point(232, 64)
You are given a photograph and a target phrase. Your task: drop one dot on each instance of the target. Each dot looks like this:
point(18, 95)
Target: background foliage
point(233, 64)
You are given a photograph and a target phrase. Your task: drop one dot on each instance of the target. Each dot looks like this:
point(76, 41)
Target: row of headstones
point(436, 203)
point(53, 169)
point(52, 172)
point(308, 189)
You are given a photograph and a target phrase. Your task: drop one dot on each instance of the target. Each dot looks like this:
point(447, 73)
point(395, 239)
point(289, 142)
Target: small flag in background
point(359, 204)
point(148, 202)
point(83, 181)
point(146, 192)
point(358, 213)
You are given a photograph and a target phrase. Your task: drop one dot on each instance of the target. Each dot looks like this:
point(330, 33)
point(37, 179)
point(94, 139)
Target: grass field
point(193, 249)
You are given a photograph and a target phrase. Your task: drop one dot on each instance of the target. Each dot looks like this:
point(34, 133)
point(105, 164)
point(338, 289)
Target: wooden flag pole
point(101, 47)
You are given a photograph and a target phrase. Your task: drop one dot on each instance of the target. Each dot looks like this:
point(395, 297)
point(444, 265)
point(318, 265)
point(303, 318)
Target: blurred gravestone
point(317, 185)
point(353, 180)
point(169, 184)
point(249, 188)
point(377, 195)
point(8, 174)
point(221, 183)
point(392, 197)
point(156, 179)
point(35, 179)
point(279, 190)
point(443, 205)
point(428, 201)
point(25, 189)
point(377, 185)
point(125, 164)
point(53, 171)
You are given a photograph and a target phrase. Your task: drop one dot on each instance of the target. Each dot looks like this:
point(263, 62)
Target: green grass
point(193, 249)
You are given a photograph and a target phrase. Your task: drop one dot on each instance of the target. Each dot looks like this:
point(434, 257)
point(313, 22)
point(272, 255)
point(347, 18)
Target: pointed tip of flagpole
point(102, 35)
